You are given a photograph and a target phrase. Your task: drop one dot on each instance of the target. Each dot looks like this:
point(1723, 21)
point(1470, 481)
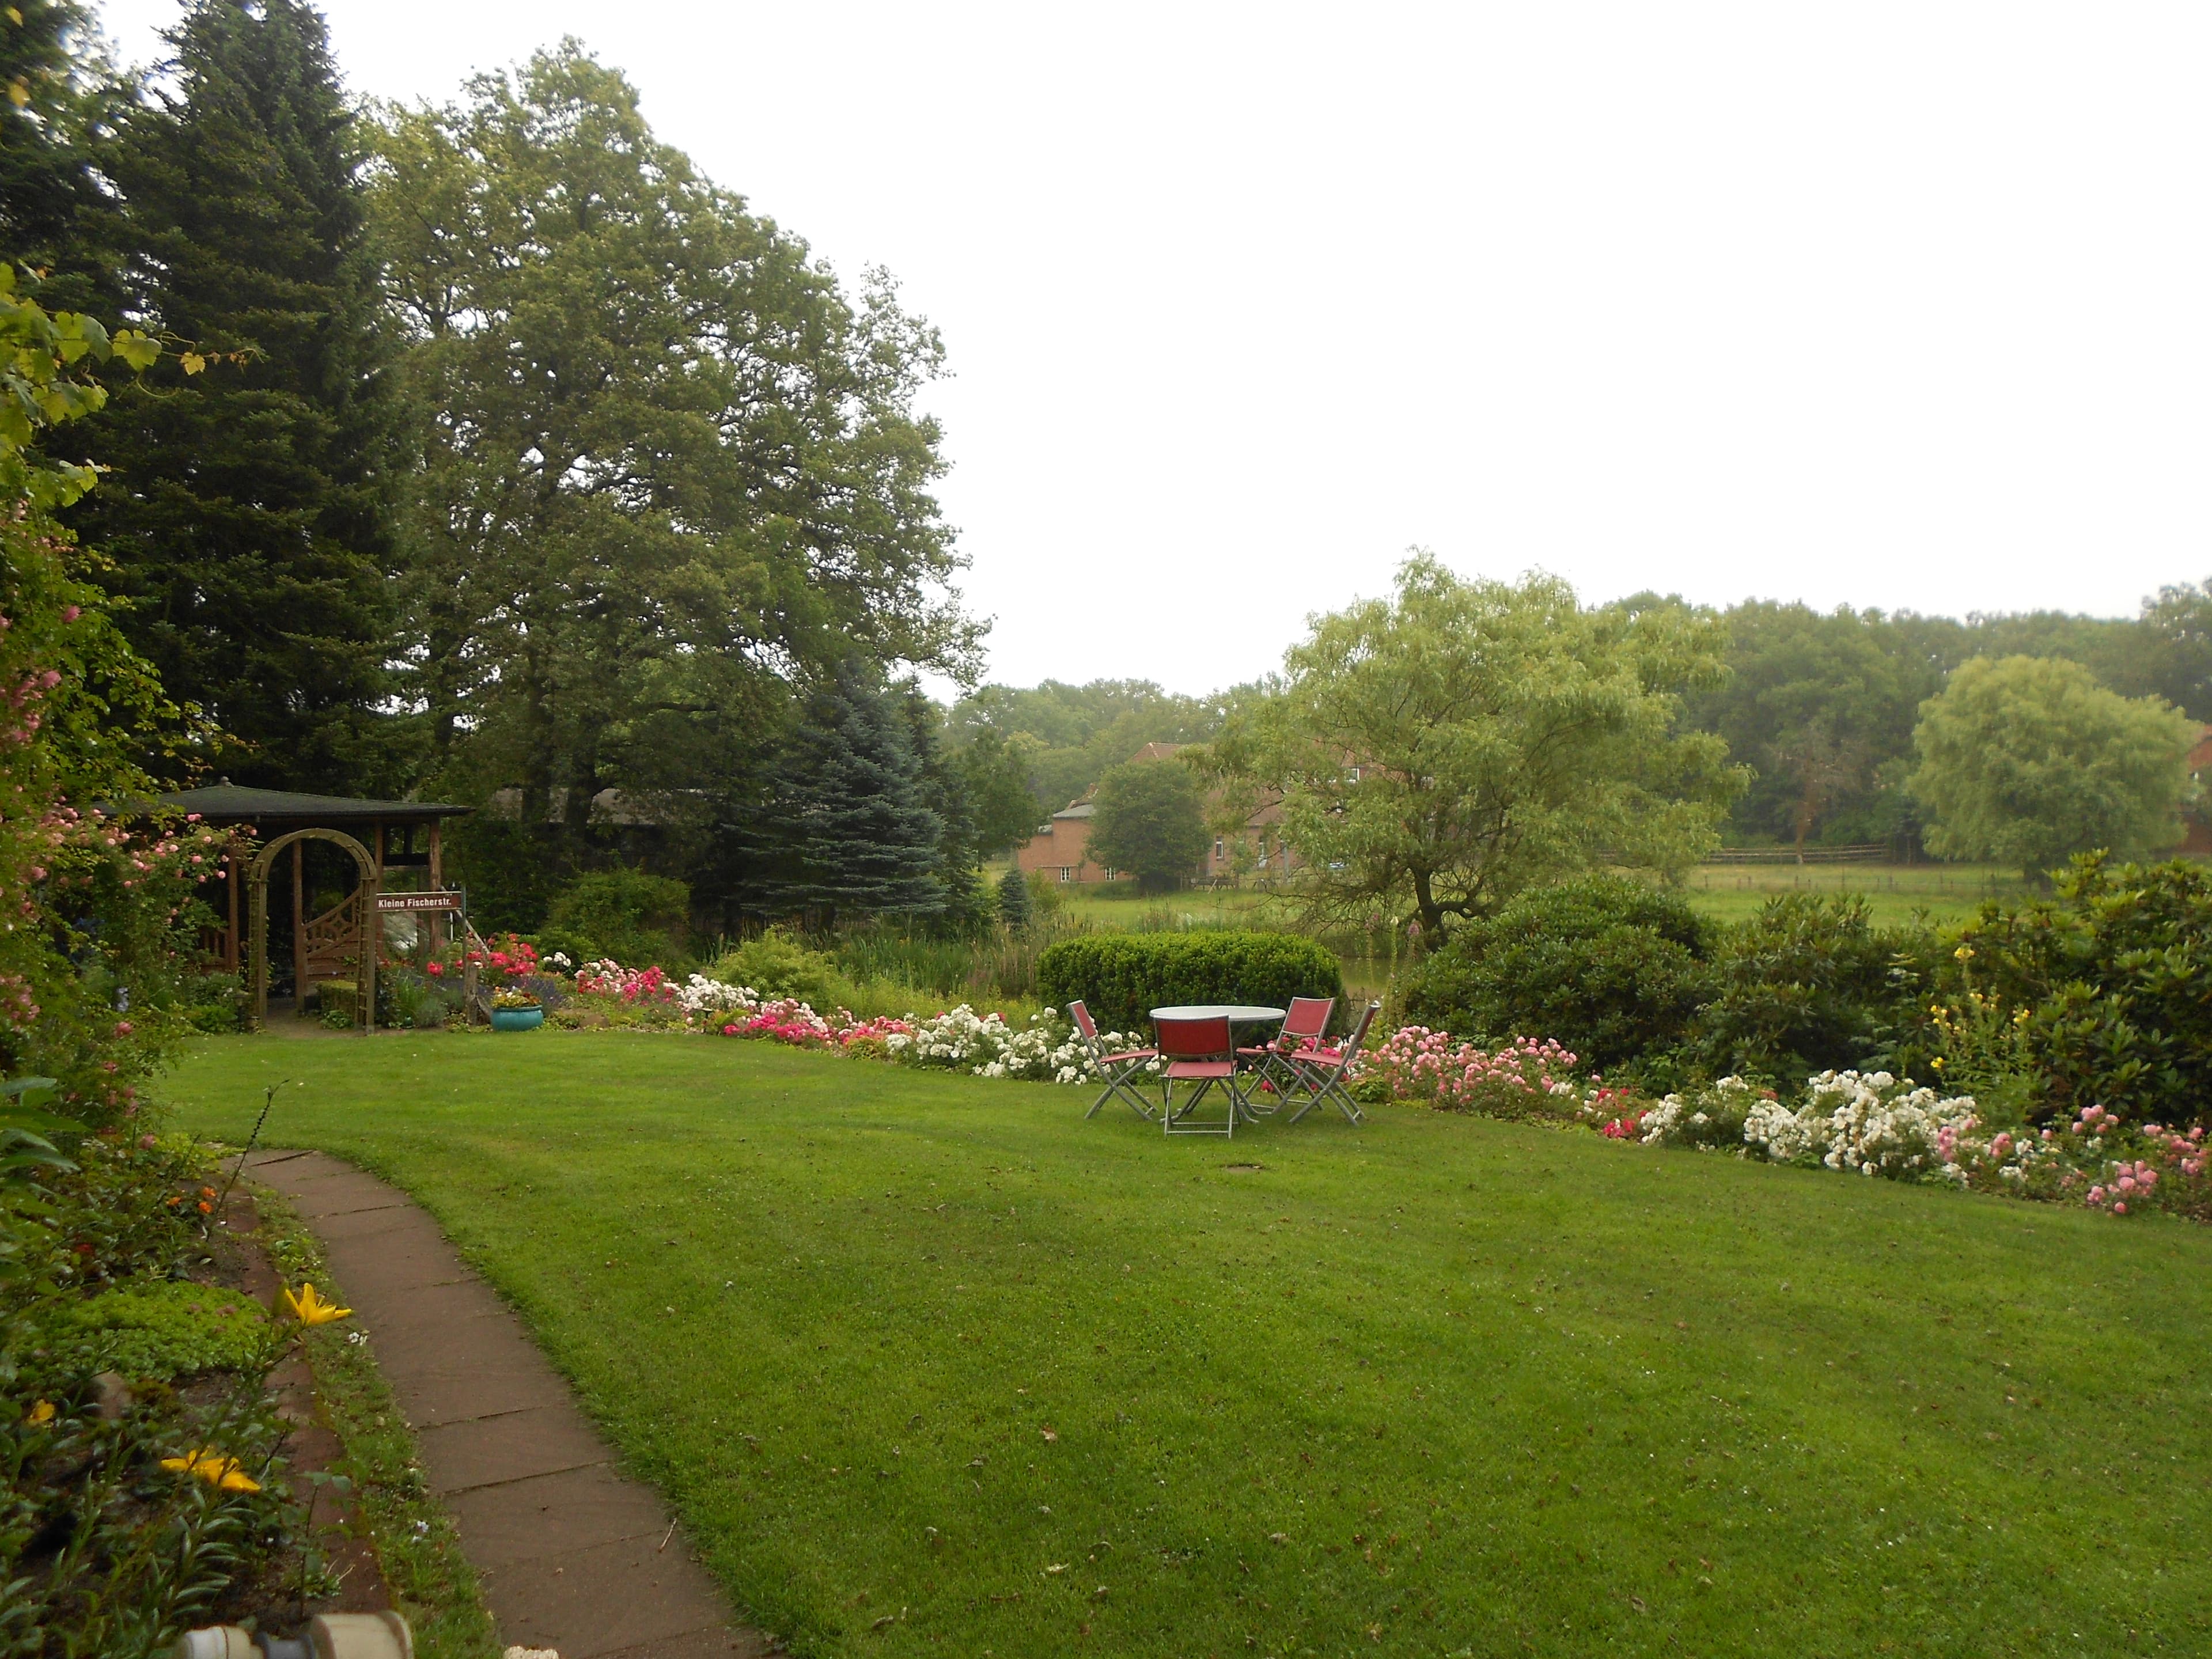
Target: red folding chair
point(1303, 1027)
point(1323, 1071)
point(1198, 1051)
point(1117, 1069)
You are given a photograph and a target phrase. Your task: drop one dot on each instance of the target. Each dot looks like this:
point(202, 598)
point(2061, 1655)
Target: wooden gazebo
point(380, 836)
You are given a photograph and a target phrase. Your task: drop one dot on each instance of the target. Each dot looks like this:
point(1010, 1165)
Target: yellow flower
point(41, 1413)
point(1965, 953)
point(311, 1309)
point(215, 1468)
point(1938, 1064)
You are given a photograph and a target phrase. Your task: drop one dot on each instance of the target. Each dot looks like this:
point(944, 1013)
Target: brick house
point(2196, 820)
point(1060, 848)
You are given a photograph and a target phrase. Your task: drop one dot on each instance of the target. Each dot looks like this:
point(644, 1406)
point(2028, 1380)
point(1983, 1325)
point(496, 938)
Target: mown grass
point(932, 1365)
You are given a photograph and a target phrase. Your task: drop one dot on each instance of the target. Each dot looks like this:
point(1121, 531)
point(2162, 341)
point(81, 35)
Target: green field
point(931, 1364)
point(1947, 892)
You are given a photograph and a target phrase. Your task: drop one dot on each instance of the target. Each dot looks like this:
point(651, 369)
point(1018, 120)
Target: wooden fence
point(1871, 852)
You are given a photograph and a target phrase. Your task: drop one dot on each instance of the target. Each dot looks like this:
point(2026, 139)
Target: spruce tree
point(62, 99)
point(248, 514)
point(848, 832)
point(942, 786)
point(1014, 900)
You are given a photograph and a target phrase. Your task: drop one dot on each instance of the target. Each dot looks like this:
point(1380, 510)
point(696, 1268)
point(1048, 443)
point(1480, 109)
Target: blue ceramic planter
point(517, 1019)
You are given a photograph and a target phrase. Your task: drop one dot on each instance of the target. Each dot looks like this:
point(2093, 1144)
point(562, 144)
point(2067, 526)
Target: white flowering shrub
point(1869, 1123)
point(702, 995)
point(1047, 1050)
point(1713, 1117)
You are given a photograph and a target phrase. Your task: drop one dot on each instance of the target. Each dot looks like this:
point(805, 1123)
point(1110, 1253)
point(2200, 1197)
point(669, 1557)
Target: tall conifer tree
point(248, 516)
point(850, 832)
point(62, 97)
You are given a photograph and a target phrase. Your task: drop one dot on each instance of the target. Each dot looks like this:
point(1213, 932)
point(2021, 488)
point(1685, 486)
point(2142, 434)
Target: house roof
point(228, 803)
point(1082, 809)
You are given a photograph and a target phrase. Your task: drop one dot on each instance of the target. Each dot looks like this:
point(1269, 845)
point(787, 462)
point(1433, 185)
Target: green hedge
point(1122, 977)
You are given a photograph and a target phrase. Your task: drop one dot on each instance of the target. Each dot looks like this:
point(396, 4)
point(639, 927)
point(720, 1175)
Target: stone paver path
point(572, 1554)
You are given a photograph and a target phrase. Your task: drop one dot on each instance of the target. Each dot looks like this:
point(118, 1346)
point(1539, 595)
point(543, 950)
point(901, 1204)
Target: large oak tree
point(671, 471)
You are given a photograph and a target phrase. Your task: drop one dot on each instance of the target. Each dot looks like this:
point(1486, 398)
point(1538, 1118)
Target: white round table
point(1236, 1013)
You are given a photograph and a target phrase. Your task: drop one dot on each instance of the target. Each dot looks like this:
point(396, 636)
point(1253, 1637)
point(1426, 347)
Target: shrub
point(2099, 992)
point(1607, 967)
point(430, 1012)
point(1122, 977)
point(1804, 986)
point(161, 1329)
point(624, 914)
point(1712, 1118)
point(776, 965)
point(1870, 1123)
point(1528, 1078)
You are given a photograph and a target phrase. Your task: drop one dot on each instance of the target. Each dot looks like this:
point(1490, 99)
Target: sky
point(1892, 305)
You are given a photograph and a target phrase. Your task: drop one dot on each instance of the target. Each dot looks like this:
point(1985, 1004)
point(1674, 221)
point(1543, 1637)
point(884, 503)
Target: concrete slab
point(573, 1555)
point(607, 1597)
point(554, 1514)
point(388, 1221)
point(388, 1310)
point(487, 1451)
point(440, 1397)
point(700, 1644)
point(409, 1352)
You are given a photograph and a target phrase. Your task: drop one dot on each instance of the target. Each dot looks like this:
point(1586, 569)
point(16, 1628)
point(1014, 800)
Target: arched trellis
point(364, 897)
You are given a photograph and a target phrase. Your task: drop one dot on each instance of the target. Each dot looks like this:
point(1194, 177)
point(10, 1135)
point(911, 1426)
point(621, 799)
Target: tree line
point(1818, 708)
point(499, 455)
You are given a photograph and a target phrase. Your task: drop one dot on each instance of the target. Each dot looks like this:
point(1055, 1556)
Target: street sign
point(416, 903)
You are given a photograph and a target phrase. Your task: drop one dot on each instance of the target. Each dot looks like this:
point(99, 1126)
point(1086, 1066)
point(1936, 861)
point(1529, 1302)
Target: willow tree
point(2028, 761)
point(1442, 749)
point(668, 468)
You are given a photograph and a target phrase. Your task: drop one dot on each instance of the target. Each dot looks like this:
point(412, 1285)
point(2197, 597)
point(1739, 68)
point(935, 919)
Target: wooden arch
point(355, 914)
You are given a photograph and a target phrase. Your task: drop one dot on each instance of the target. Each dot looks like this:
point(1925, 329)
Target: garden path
point(572, 1554)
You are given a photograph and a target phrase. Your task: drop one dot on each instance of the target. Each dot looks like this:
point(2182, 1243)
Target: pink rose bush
point(1524, 1079)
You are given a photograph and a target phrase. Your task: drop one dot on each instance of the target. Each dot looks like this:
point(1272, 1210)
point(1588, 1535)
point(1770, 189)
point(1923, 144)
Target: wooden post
point(437, 923)
point(230, 863)
point(299, 926)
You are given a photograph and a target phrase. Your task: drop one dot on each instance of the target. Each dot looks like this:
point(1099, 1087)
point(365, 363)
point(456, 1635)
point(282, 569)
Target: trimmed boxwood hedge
point(1122, 977)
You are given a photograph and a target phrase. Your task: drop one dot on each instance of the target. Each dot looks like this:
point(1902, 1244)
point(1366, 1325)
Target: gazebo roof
point(228, 803)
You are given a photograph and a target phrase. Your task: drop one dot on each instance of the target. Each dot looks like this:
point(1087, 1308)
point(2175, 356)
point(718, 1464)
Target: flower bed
point(1046, 1050)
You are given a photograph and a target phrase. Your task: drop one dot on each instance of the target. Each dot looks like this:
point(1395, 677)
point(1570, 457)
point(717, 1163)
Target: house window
point(1263, 852)
point(1066, 872)
point(1217, 849)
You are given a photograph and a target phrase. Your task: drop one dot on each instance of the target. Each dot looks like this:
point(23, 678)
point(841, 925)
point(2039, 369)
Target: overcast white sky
point(1896, 304)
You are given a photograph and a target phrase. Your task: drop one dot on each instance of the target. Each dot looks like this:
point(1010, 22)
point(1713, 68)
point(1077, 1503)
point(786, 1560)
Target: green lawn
point(932, 1365)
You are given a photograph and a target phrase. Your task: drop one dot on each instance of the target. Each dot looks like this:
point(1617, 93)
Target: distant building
point(1061, 847)
point(2197, 819)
